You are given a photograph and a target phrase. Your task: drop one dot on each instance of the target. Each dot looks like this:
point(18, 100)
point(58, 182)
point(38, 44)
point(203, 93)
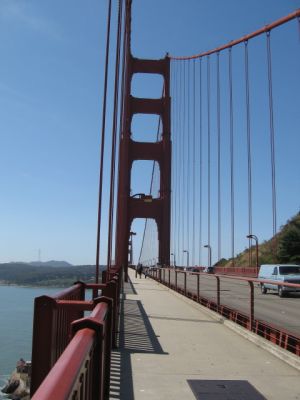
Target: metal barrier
point(239, 271)
point(277, 335)
point(54, 315)
point(83, 370)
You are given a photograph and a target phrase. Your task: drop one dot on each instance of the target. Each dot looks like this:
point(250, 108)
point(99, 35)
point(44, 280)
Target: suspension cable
point(200, 160)
point(272, 134)
point(194, 161)
point(114, 135)
point(208, 150)
point(266, 28)
point(231, 153)
point(219, 154)
point(248, 126)
point(102, 144)
point(188, 159)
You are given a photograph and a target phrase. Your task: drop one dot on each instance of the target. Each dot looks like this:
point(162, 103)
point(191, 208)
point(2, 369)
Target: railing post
point(42, 340)
point(251, 305)
point(98, 364)
point(198, 288)
point(108, 343)
point(176, 280)
point(169, 277)
point(185, 283)
point(111, 291)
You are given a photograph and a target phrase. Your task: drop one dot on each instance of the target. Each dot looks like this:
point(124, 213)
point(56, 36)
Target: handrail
point(277, 335)
point(53, 316)
point(72, 375)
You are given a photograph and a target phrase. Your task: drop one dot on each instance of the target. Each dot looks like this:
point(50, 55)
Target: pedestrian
point(146, 273)
point(140, 270)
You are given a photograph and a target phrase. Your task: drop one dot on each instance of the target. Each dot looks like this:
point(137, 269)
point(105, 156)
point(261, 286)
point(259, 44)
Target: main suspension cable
point(266, 28)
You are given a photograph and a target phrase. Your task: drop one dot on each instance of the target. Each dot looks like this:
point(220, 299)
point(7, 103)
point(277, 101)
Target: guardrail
point(83, 369)
point(277, 335)
point(53, 318)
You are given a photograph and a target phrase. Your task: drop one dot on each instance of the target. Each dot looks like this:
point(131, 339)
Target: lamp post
point(187, 258)
point(208, 246)
point(254, 237)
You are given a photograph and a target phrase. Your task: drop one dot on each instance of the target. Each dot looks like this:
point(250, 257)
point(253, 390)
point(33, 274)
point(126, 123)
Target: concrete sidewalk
point(173, 349)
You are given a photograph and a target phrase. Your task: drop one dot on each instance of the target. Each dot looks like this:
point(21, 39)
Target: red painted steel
point(278, 336)
point(51, 330)
point(239, 271)
point(265, 29)
point(53, 317)
point(80, 371)
point(129, 208)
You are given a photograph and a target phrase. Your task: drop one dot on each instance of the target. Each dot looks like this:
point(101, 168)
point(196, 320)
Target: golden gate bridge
point(202, 195)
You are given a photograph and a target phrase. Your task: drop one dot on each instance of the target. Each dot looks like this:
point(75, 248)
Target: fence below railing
point(191, 288)
point(82, 372)
point(53, 318)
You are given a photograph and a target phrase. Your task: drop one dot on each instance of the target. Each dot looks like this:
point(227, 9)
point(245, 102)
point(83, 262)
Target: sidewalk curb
point(282, 354)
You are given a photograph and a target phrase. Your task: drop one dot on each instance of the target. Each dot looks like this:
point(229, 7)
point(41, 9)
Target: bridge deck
point(170, 347)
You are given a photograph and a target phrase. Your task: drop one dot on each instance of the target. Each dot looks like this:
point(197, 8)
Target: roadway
point(282, 312)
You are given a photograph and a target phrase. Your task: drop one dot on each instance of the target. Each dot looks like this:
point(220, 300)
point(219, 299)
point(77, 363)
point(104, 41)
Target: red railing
point(277, 335)
point(82, 372)
point(53, 318)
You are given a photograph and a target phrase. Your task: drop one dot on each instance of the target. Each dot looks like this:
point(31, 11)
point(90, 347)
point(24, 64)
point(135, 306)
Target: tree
point(289, 244)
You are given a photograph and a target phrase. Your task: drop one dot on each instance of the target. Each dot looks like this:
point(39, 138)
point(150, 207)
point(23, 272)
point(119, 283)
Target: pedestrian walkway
point(171, 348)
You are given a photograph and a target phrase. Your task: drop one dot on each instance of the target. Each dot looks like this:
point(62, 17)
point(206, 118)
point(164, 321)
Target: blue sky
point(51, 83)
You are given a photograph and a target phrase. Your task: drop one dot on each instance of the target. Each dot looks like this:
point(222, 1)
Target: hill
point(284, 248)
point(32, 275)
point(51, 263)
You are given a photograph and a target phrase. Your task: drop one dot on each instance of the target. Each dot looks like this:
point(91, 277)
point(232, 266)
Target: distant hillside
point(284, 248)
point(32, 275)
point(51, 263)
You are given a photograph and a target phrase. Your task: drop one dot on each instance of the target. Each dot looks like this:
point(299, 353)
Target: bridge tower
point(129, 208)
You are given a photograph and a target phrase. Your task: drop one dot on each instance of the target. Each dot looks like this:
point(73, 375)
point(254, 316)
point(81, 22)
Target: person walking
point(140, 270)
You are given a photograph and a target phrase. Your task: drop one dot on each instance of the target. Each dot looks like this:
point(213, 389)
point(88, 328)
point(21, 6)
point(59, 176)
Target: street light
point(208, 246)
point(172, 254)
point(187, 258)
point(256, 247)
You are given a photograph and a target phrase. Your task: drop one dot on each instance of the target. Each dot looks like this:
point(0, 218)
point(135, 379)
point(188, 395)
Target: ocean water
point(16, 313)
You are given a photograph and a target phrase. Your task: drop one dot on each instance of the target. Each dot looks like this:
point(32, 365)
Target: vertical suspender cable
point(114, 135)
point(194, 161)
point(219, 154)
point(102, 144)
point(188, 159)
point(248, 150)
point(177, 155)
point(231, 155)
point(200, 161)
point(272, 135)
point(208, 150)
point(174, 177)
point(180, 145)
point(183, 159)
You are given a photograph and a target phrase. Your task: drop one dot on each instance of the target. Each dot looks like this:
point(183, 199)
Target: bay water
point(16, 319)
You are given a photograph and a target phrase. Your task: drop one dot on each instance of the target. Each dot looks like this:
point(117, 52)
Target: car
point(289, 273)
